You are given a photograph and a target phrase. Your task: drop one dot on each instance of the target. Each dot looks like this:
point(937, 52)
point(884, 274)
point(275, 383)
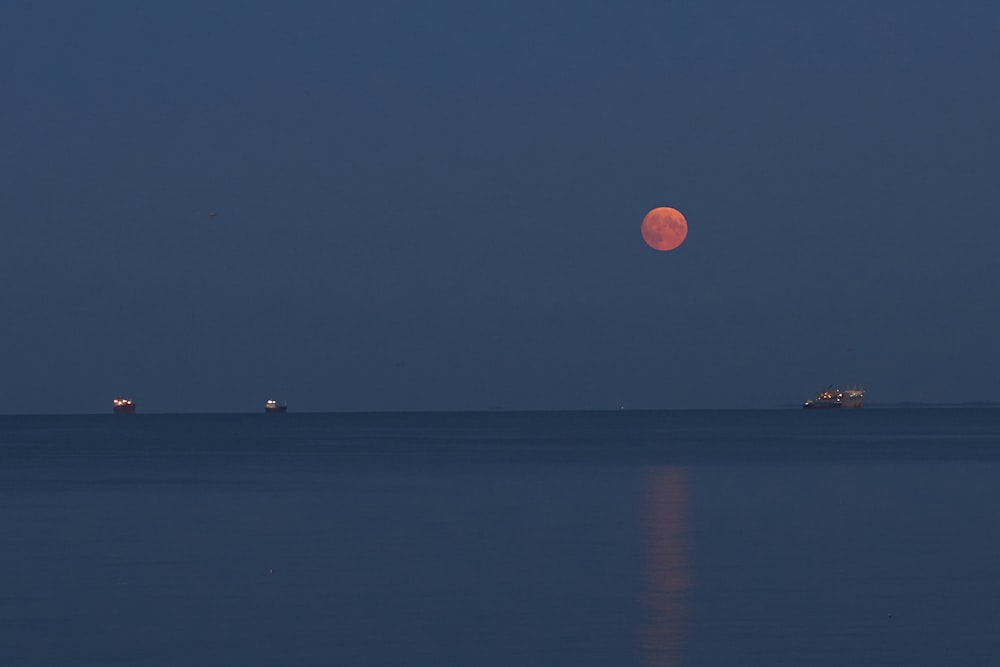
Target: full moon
point(664, 228)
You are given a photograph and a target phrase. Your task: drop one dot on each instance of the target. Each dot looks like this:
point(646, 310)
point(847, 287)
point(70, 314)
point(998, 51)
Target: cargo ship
point(272, 407)
point(832, 397)
point(123, 406)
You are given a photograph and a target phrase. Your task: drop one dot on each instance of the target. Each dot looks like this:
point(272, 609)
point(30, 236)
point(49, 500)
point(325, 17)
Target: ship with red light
point(831, 397)
point(123, 406)
point(272, 407)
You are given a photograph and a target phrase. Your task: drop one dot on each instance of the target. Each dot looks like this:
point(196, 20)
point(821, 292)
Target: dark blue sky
point(437, 205)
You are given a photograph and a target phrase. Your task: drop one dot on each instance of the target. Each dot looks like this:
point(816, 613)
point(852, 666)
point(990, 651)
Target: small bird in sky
point(211, 215)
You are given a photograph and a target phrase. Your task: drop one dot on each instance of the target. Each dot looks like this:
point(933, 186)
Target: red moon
point(664, 228)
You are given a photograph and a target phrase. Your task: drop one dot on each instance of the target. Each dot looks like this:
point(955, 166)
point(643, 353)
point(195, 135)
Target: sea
point(659, 538)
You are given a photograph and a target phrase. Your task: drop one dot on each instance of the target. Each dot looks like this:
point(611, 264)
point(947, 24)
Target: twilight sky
point(437, 205)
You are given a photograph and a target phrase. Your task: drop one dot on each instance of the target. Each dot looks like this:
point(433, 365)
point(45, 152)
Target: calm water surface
point(619, 538)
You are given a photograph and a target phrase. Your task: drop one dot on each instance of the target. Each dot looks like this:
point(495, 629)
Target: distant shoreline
point(902, 405)
point(919, 404)
point(923, 405)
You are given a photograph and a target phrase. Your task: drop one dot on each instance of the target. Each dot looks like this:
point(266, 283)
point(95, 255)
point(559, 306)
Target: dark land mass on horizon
point(903, 405)
point(906, 405)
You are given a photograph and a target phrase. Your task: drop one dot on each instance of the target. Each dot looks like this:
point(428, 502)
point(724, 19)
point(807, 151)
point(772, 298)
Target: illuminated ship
point(835, 398)
point(123, 406)
point(273, 407)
